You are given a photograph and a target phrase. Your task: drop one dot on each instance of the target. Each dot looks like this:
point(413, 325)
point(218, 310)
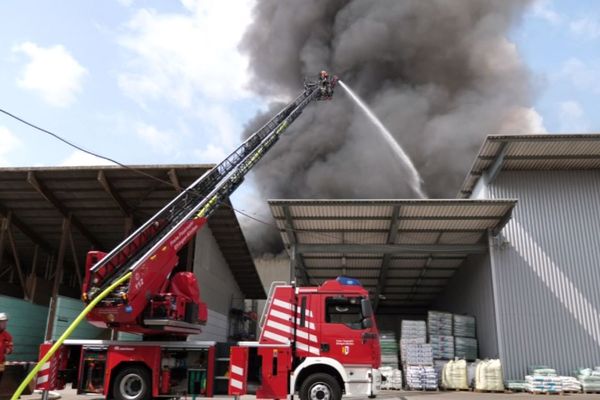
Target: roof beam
point(110, 190)
point(411, 218)
point(25, 229)
point(492, 172)
point(385, 263)
point(556, 157)
point(297, 256)
point(392, 248)
point(174, 179)
point(47, 194)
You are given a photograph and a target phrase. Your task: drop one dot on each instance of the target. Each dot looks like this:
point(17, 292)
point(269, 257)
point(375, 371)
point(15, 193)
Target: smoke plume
point(440, 74)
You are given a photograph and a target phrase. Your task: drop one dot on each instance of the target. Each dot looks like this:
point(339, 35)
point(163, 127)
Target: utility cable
point(71, 144)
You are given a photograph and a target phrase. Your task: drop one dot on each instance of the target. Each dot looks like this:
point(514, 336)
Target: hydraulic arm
point(150, 253)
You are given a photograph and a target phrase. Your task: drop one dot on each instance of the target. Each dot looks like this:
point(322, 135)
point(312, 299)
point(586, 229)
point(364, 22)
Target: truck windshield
point(344, 310)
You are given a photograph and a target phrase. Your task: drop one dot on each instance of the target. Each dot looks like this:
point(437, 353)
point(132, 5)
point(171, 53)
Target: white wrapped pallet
point(454, 375)
point(589, 378)
point(488, 376)
point(421, 377)
point(543, 384)
point(418, 354)
point(439, 323)
point(393, 378)
point(570, 384)
point(406, 343)
point(410, 329)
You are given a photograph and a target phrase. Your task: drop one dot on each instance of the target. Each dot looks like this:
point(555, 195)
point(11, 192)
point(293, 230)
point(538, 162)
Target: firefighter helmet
point(3, 316)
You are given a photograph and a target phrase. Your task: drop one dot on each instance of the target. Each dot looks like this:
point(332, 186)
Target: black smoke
point(440, 74)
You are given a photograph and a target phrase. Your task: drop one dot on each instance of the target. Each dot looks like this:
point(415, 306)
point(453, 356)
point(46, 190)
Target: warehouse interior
point(52, 216)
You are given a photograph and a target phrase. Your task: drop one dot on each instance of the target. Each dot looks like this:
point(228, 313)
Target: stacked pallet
point(465, 348)
point(464, 326)
point(543, 380)
point(389, 349)
point(412, 334)
point(570, 384)
point(442, 346)
point(421, 378)
point(439, 323)
point(393, 378)
point(589, 379)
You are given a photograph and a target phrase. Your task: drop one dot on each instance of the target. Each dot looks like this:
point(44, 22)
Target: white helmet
point(3, 316)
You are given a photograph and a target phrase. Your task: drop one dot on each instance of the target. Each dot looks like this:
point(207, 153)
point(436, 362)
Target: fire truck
point(320, 342)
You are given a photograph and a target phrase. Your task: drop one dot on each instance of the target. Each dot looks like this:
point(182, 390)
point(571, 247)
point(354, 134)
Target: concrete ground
point(70, 394)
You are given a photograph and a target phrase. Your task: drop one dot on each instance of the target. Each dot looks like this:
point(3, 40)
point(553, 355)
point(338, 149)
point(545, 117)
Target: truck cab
point(319, 342)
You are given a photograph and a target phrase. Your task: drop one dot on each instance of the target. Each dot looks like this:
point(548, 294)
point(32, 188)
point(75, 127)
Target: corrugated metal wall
point(67, 309)
point(548, 270)
point(470, 292)
point(26, 324)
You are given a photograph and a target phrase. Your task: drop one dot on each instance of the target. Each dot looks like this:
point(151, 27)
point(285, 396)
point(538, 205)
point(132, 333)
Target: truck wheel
point(132, 383)
point(320, 387)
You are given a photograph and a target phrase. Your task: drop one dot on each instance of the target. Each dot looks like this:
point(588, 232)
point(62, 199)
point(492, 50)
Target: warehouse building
point(519, 250)
point(51, 217)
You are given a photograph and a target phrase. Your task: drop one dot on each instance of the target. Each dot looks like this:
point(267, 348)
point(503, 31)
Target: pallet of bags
point(393, 378)
point(543, 384)
point(442, 347)
point(407, 344)
point(419, 377)
point(418, 354)
point(454, 375)
point(543, 379)
point(589, 379)
point(439, 323)
point(488, 376)
point(465, 348)
point(570, 384)
point(413, 329)
point(464, 325)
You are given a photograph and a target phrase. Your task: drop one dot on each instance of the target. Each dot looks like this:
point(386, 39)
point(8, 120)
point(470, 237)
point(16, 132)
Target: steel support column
point(66, 226)
point(385, 264)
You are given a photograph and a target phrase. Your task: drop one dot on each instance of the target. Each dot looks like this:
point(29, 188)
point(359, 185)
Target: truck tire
point(320, 386)
point(132, 383)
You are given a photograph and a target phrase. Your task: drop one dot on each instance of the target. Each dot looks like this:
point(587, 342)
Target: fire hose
point(66, 334)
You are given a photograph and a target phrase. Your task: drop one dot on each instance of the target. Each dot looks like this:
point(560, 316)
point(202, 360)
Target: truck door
point(344, 334)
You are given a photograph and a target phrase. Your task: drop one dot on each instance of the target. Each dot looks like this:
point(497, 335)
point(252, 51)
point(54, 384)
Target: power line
point(71, 144)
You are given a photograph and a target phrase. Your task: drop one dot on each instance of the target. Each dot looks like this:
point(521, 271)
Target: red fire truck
point(320, 342)
point(332, 346)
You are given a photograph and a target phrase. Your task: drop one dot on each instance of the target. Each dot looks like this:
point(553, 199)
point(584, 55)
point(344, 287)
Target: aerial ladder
point(133, 289)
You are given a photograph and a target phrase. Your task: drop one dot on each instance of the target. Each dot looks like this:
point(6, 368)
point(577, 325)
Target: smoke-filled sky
point(155, 82)
point(440, 74)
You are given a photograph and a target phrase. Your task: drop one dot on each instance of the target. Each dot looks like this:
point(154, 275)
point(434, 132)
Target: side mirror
point(365, 307)
point(367, 323)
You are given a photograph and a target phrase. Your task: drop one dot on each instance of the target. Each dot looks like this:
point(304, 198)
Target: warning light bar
point(344, 280)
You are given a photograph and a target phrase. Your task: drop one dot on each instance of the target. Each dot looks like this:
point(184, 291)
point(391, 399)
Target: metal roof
point(533, 152)
point(403, 251)
point(103, 203)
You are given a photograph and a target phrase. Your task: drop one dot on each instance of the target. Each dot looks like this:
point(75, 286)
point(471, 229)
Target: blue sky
point(149, 82)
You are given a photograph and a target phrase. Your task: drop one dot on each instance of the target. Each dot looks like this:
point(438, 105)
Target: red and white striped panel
point(238, 371)
point(46, 377)
point(279, 326)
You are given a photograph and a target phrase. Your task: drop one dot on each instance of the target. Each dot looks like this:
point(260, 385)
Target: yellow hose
point(67, 333)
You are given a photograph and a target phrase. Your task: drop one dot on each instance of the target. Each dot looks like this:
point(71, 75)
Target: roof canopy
point(403, 251)
point(103, 204)
point(532, 152)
